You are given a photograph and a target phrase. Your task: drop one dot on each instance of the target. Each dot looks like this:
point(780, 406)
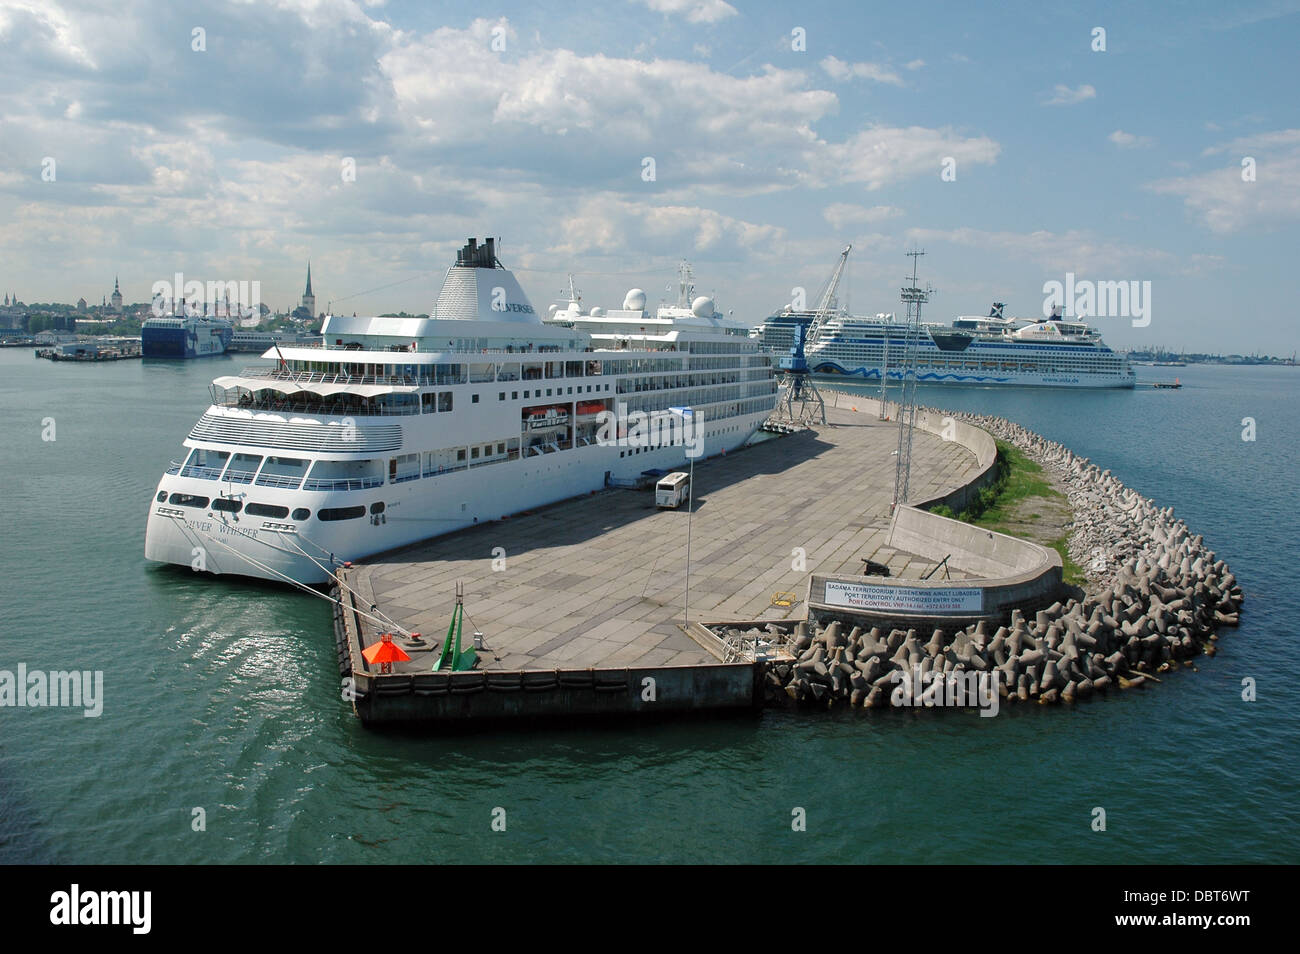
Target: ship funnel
point(479, 288)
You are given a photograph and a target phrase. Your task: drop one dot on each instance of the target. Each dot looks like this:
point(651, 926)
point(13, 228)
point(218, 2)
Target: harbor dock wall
point(534, 694)
point(1157, 599)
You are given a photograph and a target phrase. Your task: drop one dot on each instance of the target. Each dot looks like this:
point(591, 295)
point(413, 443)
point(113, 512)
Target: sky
point(1012, 142)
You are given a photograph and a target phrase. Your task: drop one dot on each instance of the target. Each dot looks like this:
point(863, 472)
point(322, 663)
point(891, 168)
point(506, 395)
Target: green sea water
point(223, 695)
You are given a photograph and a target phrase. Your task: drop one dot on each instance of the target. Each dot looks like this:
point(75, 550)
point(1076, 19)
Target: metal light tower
point(692, 436)
point(913, 297)
point(884, 378)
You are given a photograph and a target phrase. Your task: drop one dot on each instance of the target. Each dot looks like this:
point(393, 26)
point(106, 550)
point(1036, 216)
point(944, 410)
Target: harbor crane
point(828, 302)
point(799, 402)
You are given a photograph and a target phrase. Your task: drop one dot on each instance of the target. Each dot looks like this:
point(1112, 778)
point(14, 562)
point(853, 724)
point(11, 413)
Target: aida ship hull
point(986, 378)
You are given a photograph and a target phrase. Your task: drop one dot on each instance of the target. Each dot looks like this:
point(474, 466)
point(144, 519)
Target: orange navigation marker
point(385, 652)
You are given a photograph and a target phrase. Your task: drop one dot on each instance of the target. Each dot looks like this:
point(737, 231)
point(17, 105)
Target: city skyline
point(1016, 146)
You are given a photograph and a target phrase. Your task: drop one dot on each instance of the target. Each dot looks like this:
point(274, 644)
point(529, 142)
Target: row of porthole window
point(226, 505)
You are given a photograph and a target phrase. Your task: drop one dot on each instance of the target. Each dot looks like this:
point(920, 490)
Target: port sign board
point(904, 599)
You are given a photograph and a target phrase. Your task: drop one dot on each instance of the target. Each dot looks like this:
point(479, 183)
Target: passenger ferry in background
point(401, 429)
point(185, 336)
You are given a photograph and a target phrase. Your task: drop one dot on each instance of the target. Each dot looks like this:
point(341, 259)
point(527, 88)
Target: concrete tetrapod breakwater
point(1156, 598)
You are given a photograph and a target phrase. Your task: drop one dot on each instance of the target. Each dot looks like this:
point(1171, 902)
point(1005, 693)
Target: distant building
point(81, 304)
point(309, 299)
point(117, 297)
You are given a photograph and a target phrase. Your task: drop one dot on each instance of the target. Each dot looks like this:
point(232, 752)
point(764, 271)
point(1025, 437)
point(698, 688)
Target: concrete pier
point(593, 590)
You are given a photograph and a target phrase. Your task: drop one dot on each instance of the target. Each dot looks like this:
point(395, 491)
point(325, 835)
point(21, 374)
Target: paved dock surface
point(599, 581)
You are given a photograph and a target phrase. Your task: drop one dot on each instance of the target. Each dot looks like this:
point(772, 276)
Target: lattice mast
point(913, 297)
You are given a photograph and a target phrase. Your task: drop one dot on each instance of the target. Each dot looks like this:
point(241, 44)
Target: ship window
point(228, 505)
point(501, 396)
point(188, 500)
point(527, 393)
point(267, 510)
point(444, 400)
point(501, 448)
point(473, 453)
point(429, 402)
point(460, 454)
point(162, 495)
point(473, 399)
point(377, 507)
point(548, 392)
point(341, 513)
point(514, 395)
point(301, 513)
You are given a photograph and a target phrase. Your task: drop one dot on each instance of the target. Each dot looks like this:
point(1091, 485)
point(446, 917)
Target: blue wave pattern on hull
point(928, 376)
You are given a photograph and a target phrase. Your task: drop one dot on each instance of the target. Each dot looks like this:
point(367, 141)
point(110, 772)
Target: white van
point(672, 489)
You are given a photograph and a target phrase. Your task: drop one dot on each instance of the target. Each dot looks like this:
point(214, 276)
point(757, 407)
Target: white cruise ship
point(401, 429)
point(973, 350)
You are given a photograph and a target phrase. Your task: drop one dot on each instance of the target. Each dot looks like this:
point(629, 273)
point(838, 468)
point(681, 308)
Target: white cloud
point(839, 70)
point(1224, 202)
point(842, 214)
point(880, 155)
point(696, 11)
point(1259, 142)
point(1078, 251)
point(1130, 141)
point(610, 224)
point(1063, 95)
point(451, 139)
point(914, 64)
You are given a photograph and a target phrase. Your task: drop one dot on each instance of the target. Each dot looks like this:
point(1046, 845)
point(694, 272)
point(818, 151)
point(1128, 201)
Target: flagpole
point(285, 364)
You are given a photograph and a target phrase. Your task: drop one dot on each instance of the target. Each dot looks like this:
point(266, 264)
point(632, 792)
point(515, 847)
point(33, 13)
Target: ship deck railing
point(321, 409)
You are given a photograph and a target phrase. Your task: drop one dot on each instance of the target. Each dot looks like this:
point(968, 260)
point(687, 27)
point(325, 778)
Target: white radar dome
point(597, 312)
point(703, 307)
point(553, 309)
point(634, 300)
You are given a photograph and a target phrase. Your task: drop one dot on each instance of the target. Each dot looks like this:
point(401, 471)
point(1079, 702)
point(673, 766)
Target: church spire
point(308, 291)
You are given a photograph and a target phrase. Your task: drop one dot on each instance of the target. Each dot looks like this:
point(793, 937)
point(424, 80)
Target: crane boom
point(824, 306)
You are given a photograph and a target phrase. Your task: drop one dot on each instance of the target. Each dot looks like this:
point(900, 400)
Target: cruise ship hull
point(987, 378)
point(412, 511)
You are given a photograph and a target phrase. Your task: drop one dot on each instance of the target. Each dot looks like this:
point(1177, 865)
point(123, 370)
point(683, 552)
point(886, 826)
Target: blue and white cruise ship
point(974, 350)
